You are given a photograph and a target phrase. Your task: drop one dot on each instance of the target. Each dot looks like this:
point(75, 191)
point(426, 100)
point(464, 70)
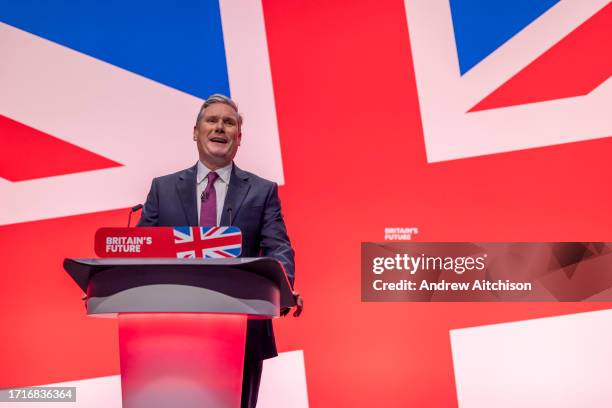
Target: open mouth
point(218, 139)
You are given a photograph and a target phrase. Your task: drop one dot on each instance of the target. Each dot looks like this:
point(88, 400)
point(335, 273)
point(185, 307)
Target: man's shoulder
point(174, 177)
point(190, 173)
point(254, 179)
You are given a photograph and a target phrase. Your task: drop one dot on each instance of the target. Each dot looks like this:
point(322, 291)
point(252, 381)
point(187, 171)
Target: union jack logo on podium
point(207, 242)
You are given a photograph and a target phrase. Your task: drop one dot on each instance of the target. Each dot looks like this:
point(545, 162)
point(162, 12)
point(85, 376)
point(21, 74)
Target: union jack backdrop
point(468, 120)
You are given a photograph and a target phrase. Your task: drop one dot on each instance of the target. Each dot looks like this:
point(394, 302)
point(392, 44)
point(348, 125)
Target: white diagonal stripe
point(283, 384)
point(144, 125)
point(445, 96)
point(561, 362)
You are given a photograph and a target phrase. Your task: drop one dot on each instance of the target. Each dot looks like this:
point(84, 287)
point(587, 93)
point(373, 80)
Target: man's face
point(217, 135)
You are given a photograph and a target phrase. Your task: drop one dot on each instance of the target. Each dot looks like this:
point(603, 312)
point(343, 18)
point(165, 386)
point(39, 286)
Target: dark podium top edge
point(81, 269)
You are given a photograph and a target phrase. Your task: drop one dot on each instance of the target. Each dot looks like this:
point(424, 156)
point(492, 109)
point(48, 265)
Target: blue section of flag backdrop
point(179, 44)
point(482, 26)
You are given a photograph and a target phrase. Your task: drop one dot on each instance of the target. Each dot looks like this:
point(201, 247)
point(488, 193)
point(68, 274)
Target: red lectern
point(182, 322)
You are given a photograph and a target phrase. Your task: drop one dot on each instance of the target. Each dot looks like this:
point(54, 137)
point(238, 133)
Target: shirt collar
point(224, 172)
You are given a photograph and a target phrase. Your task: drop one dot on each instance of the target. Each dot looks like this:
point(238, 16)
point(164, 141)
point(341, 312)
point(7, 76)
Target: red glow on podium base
point(181, 359)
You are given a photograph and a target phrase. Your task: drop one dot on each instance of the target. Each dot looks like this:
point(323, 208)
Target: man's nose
point(219, 126)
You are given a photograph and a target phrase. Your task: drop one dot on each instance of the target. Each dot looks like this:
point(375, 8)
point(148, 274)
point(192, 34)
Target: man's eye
point(229, 122)
point(211, 120)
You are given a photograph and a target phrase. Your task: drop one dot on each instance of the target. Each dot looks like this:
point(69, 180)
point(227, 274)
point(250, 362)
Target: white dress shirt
point(221, 185)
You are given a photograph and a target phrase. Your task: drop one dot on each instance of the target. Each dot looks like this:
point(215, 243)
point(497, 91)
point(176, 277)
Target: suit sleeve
point(274, 239)
point(150, 211)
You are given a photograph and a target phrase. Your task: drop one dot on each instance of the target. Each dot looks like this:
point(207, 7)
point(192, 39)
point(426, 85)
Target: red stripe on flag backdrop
point(28, 154)
point(573, 67)
point(354, 160)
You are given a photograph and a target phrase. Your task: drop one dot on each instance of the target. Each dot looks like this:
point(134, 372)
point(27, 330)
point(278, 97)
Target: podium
point(182, 322)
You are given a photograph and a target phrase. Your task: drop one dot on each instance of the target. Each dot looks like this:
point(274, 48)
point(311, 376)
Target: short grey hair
point(218, 98)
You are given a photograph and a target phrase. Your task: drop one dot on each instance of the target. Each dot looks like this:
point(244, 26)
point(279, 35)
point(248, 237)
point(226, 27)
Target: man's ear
point(239, 138)
point(195, 133)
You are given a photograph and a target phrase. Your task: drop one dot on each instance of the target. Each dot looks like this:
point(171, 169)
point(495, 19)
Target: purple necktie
point(208, 210)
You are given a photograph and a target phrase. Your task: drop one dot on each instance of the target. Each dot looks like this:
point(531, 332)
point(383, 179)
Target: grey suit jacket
point(253, 205)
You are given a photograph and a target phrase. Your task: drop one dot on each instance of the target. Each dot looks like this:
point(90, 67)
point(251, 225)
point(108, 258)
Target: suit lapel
point(238, 188)
point(186, 188)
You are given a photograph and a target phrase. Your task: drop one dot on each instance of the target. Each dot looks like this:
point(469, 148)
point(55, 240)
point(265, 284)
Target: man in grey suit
point(216, 192)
